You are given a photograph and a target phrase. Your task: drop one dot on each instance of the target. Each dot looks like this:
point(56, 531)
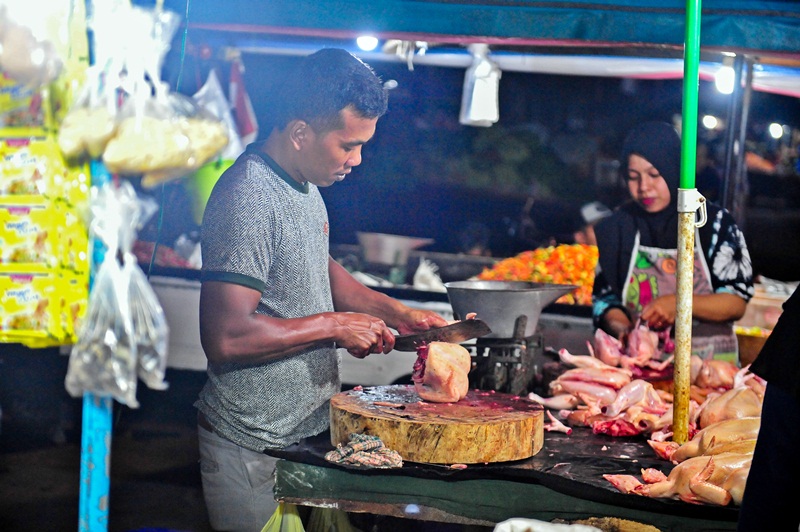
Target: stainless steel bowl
point(504, 305)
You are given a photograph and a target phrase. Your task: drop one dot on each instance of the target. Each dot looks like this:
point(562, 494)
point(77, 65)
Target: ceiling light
point(725, 76)
point(367, 42)
point(775, 130)
point(710, 122)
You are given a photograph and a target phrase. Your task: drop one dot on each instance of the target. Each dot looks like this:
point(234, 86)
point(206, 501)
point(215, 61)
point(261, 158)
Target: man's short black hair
point(323, 84)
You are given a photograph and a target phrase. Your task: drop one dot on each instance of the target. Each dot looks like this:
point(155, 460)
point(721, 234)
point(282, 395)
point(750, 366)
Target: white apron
point(653, 272)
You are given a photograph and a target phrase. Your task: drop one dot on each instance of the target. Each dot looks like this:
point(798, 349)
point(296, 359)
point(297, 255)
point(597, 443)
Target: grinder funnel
point(510, 308)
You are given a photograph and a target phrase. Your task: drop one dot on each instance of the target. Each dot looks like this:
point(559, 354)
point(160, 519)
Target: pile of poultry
point(606, 392)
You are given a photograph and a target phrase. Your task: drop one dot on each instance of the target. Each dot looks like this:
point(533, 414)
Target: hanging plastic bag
point(285, 519)
point(148, 138)
point(150, 330)
point(103, 361)
point(329, 520)
point(211, 99)
point(91, 120)
point(124, 333)
point(163, 137)
point(148, 322)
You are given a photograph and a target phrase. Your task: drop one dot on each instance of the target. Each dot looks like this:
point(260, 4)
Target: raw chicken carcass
point(581, 361)
point(715, 374)
point(564, 401)
point(716, 479)
point(636, 392)
point(732, 404)
point(642, 344)
point(609, 376)
point(587, 391)
point(730, 430)
point(441, 372)
point(606, 348)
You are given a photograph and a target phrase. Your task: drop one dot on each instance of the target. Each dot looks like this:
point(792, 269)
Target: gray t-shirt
point(263, 230)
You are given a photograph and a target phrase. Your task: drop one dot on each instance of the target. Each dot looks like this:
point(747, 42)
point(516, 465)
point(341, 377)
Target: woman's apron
point(653, 273)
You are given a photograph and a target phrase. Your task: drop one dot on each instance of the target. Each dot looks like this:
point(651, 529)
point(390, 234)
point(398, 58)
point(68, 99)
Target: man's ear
point(299, 133)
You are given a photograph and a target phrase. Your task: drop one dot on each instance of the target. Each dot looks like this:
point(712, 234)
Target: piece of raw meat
point(730, 430)
point(441, 371)
point(733, 404)
point(606, 348)
point(717, 479)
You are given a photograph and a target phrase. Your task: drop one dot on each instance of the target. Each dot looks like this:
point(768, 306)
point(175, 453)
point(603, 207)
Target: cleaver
point(456, 333)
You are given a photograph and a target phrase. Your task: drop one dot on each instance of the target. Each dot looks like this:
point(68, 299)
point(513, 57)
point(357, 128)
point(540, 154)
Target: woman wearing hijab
point(636, 272)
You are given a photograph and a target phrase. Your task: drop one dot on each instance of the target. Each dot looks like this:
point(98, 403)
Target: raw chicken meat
point(703, 479)
point(715, 374)
point(730, 430)
point(564, 401)
point(606, 348)
point(643, 344)
point(732, 404)
point(728, 435)
point(609, 376)
point(587, 391)
point(581, 361)
point(441, 371)
point(556, 425)
point(636, 392)
point(641, 352)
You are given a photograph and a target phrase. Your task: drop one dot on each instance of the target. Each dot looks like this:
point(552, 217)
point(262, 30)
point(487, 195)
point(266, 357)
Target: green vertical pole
point(687, 207)
point(691, 81)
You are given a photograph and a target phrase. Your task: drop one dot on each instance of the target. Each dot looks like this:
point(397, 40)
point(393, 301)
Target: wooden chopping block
point(483, 427)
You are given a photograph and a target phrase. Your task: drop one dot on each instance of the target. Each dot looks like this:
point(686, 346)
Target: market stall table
point(563, 481)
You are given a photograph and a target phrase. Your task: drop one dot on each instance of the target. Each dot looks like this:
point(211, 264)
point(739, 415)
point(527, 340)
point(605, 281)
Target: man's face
point(328, 158)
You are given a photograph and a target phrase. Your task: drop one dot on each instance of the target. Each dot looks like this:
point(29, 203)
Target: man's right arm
point(232, 331)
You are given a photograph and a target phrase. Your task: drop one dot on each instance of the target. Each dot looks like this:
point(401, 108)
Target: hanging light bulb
point(710, 121)
point(725, 76)
point(775, 130)
point(479, 101)
point(367, 42)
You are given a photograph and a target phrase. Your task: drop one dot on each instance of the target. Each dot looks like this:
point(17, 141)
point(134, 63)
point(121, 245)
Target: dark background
point(523, 179)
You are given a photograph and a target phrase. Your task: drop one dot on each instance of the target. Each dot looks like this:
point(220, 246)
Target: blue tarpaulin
point(731, 25)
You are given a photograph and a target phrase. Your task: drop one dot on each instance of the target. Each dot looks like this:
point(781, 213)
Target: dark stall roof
point(745, 26)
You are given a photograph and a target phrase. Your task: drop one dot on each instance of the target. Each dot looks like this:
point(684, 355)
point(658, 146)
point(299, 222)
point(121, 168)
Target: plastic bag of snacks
point(125, 332)
point(163, 138)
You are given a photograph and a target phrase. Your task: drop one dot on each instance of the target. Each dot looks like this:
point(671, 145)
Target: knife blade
point(454, 333)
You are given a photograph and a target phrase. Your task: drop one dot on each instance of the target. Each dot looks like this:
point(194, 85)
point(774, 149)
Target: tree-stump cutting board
point(483, 427)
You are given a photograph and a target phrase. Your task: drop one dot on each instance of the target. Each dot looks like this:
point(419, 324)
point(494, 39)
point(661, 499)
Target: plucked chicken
point(441, 371)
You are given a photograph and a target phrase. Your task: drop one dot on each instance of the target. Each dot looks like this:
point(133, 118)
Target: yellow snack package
point(22, 109)
point(30, 306)
point(73, 240)
point(77, 186)
point(31, 166)
point(74, 300)
point(28, 233)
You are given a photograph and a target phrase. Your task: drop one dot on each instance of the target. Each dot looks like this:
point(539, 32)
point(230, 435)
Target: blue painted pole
point(95, 463)
point(96, 422)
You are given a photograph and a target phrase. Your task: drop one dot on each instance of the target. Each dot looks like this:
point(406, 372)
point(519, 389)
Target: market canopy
point(741, 26)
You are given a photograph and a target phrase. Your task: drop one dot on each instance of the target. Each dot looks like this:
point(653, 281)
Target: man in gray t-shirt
point(274, 305)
